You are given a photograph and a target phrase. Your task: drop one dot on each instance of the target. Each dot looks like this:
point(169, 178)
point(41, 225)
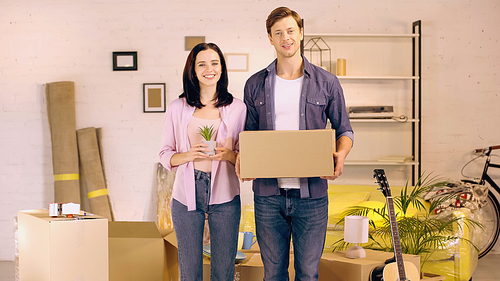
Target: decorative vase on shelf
point(207, 132)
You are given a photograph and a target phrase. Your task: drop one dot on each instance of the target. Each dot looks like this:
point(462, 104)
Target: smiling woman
point(208, 71)
point(205, 103)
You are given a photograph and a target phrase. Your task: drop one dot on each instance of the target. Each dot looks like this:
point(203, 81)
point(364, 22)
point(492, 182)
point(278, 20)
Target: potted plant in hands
point(207, 132)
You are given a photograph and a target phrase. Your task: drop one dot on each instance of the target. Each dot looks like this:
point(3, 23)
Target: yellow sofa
point(457, 261)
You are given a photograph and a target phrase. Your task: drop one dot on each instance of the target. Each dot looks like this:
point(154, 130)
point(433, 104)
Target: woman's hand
point(196, 152)
point(224, 154)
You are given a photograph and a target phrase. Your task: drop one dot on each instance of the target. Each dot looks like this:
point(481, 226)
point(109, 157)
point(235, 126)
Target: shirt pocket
point(317, 100)
point(316, 110)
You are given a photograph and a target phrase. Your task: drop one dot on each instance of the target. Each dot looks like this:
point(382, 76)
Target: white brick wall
point(54, 40)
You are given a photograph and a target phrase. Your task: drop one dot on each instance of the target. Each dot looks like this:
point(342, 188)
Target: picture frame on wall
point(124, 61)
point(237, 62)
point(154, 99)
point(191, 41)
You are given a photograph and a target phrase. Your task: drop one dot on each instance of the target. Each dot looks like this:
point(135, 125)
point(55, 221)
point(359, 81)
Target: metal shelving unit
point(416, 83)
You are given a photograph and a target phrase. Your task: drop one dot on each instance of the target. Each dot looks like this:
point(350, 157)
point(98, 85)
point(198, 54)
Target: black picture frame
point(154, 98)
point(124, 61)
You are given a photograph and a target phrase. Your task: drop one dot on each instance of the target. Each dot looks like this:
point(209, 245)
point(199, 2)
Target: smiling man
point(293, 94)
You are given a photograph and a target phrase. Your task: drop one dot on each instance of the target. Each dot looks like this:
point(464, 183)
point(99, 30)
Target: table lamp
point(355, 231)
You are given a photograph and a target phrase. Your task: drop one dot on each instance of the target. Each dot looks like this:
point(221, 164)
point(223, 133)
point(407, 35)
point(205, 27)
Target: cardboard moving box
point(287, 154)
point(141, 251)
point(135, 251)
point(336, 267)
point(60, 248)
point(251, 269)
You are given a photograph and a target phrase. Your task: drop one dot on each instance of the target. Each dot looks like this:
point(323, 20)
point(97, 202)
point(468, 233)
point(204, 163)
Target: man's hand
point(237, 167)
point(344, 145)
point(339, 166)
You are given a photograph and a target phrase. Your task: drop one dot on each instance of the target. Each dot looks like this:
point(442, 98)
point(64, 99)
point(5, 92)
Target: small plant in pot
point(207, 132)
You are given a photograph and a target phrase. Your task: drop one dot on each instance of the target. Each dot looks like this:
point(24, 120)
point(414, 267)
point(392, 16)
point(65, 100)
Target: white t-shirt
point(287, 99)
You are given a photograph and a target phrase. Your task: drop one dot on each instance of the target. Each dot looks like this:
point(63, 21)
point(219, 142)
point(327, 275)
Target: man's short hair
point(279, 14)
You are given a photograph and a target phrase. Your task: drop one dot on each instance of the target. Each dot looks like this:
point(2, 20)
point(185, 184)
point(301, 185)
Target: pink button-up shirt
point(225, 183)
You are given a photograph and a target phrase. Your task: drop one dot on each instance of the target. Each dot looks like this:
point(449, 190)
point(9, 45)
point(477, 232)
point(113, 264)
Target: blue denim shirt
point(321, 98)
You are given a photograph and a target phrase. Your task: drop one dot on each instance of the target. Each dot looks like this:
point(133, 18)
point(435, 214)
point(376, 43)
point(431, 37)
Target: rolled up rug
point(62, 122)
point(90, 160)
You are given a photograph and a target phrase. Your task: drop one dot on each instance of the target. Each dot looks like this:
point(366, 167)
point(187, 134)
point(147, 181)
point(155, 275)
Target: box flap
point(129, 229)
point(165, 232)
point(170, 238)
point(254, 260)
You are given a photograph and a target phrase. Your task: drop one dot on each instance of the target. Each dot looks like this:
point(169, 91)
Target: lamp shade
point(356, 229)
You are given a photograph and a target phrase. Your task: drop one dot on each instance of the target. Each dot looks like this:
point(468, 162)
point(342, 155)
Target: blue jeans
point(223, 221)
point(281, 217)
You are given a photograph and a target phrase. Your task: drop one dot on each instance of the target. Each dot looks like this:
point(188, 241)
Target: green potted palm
point(207, 132)
point(420, 234)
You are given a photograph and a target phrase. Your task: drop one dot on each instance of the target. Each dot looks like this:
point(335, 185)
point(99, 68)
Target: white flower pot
point(211, 146)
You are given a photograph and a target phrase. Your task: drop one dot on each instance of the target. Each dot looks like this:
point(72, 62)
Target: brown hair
point(279, 14)
point(191, 85)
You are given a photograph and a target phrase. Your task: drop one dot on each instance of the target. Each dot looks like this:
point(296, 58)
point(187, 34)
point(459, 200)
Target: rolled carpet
point(90, 160)
point(62, 122)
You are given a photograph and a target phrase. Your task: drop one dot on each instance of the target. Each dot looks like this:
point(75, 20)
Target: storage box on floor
point(62, 248)
point(282, 154)
point(140, 251)
point(251, 269)
point(336, 267)
point(135, 251)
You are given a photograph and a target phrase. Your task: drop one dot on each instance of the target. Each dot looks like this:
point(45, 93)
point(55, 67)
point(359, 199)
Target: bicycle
point(491, 210)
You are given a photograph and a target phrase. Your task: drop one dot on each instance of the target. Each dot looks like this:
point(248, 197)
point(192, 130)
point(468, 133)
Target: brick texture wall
point(55, 40)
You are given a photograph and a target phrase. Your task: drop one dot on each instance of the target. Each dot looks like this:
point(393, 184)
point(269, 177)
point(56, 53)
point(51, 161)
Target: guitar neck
point(398, 253)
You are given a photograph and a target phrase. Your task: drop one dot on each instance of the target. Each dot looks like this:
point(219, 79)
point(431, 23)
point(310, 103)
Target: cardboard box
point(251, 269)
point(285, 154)
point(136, 251)
point(336, 267)
point(170, 260)
point(141, 251)
point(60, 248)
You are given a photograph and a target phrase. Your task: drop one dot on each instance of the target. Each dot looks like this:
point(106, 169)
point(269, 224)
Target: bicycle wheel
point(491, 215)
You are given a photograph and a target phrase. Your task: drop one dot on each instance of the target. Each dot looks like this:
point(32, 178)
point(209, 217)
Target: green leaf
point(206, 132)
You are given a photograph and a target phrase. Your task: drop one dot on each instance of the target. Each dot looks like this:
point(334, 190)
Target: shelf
point(397, 75)
point(378, 77)
point(377, 163)
point(374, 120)
point(360, 35)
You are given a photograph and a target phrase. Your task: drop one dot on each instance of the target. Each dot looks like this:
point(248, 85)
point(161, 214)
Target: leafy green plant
point(419, 234)
point(206, 132)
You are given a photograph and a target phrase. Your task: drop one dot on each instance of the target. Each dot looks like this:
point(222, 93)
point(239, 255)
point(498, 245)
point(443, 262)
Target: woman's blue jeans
point(223, 221)
point(281, 217)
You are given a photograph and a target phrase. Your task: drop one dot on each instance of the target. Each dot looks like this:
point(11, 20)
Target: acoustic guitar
point(395, 269)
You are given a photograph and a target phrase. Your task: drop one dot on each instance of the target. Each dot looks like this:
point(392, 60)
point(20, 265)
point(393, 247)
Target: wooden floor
point(487, 269)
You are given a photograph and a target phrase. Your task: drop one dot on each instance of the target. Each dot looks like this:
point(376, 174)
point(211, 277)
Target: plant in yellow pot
point(207, 132)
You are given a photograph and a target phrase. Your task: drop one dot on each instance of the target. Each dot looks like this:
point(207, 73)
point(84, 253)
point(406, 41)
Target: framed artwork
point(237, 62)
point(191, 41)
point(154, 97)
point(124, 61)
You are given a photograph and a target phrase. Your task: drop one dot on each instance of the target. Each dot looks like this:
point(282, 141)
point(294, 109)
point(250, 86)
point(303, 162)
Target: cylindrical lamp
point(355, 231)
